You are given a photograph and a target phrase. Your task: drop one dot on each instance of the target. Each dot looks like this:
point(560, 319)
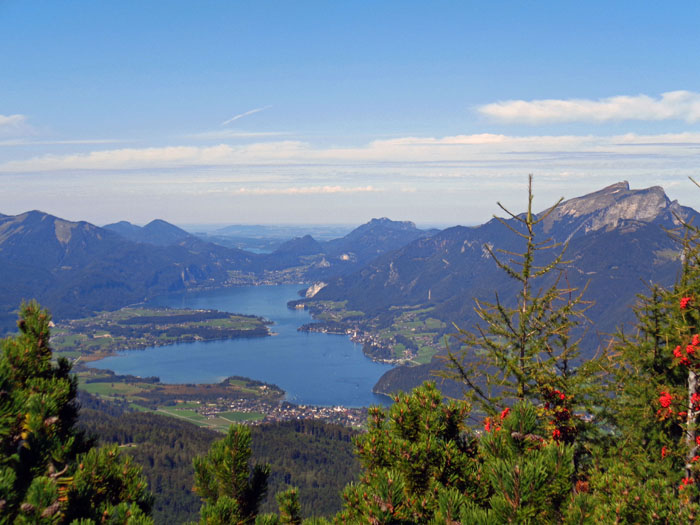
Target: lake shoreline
point(347, 369)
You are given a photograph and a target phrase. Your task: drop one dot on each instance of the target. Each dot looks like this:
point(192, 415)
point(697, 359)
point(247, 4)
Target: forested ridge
point(316, 457)
point(163, 446)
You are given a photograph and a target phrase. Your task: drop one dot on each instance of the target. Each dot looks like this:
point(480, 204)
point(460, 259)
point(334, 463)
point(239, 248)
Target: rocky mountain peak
point(388, 223)
point(606, 208)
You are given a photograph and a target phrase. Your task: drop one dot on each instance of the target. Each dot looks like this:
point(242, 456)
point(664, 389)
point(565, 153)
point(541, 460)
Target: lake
point(312, 368)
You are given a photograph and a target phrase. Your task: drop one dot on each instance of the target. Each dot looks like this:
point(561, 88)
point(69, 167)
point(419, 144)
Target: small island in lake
point(93, 338)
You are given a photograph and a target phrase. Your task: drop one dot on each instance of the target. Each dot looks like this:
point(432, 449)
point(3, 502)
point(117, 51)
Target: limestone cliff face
point(608, 208)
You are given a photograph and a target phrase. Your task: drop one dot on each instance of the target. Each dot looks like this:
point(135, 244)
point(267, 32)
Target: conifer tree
point(289, 511)
point(415, 459)
point(656, 406)
point(230, 489)
point(526, 350)
point(49, 472)
point(422, 465)
point(530, 477)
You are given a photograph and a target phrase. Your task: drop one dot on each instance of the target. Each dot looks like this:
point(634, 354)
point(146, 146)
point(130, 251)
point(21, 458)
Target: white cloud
point(478, 139)
point(127, 158)
point(11, 120)
point(672, 105)
point(489, 151)
point(241, 115)
point(164, 157)
point(11, 125)
point(423, 178)
point(308, 190)
point(68, 142)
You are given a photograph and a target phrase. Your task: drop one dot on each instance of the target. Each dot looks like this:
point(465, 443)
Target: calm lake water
point(313, 368)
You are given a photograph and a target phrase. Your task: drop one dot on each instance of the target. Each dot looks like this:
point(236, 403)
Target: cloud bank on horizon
point(484, 148)
point(417, 165)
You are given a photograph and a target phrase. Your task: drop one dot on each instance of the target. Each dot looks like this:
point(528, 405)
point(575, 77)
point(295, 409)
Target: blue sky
point(337, 112)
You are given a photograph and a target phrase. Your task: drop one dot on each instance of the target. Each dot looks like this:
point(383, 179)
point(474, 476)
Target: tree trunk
point(691, 433)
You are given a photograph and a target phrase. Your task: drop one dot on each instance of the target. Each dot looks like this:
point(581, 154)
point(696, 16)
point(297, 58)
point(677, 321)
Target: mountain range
point(317, 260)
point(77, 268)
point(616, 241)
point(617, 244)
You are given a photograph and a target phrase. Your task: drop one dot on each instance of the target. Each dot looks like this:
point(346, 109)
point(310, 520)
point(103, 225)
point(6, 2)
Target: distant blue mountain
point(156, 232)
point(346, 254)
point(617, 245)
point(75, 268)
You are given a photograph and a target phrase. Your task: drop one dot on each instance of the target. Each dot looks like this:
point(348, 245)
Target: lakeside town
point(260, 411)
point(286, 411)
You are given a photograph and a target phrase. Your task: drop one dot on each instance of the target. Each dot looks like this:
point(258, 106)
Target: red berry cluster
point(557, 409)
point(666, 402)
point(685, 355)
point(491, 424)
point(685, 482)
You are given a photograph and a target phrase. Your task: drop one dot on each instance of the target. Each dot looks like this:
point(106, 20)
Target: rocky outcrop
point(608, 208)
point(314, 289)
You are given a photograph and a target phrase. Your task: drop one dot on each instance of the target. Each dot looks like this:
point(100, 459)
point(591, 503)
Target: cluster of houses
point(285, 411)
